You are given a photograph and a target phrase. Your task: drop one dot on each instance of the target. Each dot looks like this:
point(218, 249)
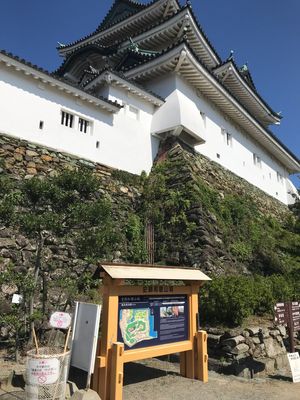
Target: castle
point(146, 74)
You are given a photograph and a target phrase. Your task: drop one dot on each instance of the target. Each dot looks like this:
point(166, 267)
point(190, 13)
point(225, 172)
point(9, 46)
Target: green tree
point(68, 205)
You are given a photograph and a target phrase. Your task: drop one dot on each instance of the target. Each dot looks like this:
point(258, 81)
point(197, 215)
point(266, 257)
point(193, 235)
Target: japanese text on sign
point(43, 372)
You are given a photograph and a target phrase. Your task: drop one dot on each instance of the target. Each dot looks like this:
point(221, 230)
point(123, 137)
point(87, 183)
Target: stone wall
point(221, 179)
point(250, 351)
point(22, 160)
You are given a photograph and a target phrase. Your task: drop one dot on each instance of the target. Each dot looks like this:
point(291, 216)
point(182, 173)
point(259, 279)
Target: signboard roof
point(153, 272)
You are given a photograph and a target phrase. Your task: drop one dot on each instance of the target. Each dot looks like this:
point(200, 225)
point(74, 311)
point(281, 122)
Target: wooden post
point(108, 337)
point(193, 315)
point(183, 364)
point(202, 357)
point(117, 371)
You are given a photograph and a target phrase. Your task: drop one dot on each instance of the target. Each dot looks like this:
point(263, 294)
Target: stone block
point(240, 348)
point(265, 333)
point(282, 330)
point(253, 331)
point(274, 332)
point(213, 340)
point(7, 243)
point(281, 362)
point(246, 334)
point(31, 153)
point(273, 348)
point(234, 341)
point(256, 340)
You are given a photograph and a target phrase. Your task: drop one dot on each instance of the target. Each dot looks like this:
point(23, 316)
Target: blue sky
point(264, 33)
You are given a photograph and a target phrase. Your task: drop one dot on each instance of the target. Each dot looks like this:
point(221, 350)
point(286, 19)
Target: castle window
point(279, 177)
point(228, 139)
point(256, 160)
point(41, 125)
point(83, 125)
point(67, 119)
point(97, 145)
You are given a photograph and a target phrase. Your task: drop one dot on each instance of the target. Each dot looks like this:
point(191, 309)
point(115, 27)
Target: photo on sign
point(174, 311)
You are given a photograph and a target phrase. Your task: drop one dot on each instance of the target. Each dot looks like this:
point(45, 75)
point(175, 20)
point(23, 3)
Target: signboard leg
point(108, 337)
point(201, 368)
point(117, 372)
point(183, 364)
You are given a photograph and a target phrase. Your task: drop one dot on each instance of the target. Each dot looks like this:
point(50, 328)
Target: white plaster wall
point(131, 137)
point(179, 110)
point(124, 143)
point(237, 157)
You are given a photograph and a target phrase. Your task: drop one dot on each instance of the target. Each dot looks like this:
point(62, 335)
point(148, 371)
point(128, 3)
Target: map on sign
point(136, 325)
point(146, 321)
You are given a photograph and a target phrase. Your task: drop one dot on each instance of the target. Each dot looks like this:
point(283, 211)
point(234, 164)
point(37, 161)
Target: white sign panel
point(60, 320)
point(85, 335)
point(43, 371)
point(17, 299)
point(294, 360)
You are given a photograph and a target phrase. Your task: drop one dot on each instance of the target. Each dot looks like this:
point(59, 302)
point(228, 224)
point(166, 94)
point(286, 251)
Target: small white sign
point(60, 320)
point(294, 360)
point(43, 372)
point(17, 299)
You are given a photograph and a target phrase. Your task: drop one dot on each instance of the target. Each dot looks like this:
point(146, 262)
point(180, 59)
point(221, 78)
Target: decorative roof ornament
point(134, 47)
point(231, 56)
point(94, 70)
point(188, 3)
point(244, 68)
point(61, 44)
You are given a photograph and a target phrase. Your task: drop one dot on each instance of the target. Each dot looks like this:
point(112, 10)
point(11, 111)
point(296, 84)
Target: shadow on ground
point(136, 373)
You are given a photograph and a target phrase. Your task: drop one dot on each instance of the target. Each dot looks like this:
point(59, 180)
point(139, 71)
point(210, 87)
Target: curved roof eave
point(109, 76)
point(282, 153)
point(230, 64)
point(101, 32)
point(29, 69)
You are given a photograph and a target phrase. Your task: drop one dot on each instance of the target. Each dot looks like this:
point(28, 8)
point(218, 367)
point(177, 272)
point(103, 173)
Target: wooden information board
point(140, 322)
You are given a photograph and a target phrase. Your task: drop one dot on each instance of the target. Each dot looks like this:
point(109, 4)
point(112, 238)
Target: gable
point(120, 10)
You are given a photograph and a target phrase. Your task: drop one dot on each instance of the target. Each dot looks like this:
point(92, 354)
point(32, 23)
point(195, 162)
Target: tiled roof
point(109, 20)
point(251, 86)
point(183, 41)
point(122, 76)
point(44, 71)
point(148, 28)
point(103, 50)
point(103, 27)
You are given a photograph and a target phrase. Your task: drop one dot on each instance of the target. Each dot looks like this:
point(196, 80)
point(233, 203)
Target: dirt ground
point(159, 380)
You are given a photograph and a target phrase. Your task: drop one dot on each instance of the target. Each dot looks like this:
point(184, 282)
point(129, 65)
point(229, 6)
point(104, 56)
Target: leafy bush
point(229, 300)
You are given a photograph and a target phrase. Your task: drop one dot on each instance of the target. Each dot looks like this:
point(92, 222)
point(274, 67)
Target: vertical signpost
point(148, 321)
point(288, 313)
